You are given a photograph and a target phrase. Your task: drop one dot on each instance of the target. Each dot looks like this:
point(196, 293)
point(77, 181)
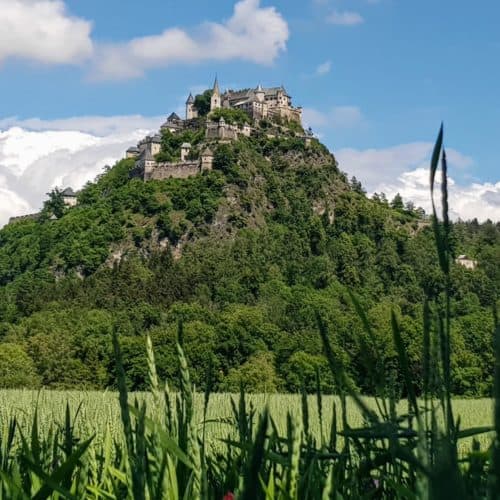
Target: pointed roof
point(174, 116)
point(207, 152)
point(190, 99)
point(259, 88)
point(68, 192)
point(216, 86)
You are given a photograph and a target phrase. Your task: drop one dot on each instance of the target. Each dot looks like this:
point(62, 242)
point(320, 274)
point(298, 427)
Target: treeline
point(243, 257)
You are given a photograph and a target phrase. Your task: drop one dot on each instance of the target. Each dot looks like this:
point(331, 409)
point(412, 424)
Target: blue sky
point(375, 78)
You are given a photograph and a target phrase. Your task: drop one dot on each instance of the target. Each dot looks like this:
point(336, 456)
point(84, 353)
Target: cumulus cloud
point(345, 18)
point(253, 33)
point(404, 169)
point(43, 31)
point(476, 200)
point(94, 125)
point(38, 155)
point(375, 165)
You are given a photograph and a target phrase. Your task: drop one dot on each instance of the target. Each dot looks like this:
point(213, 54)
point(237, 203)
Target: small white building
point(463, 260)
point(69, 197)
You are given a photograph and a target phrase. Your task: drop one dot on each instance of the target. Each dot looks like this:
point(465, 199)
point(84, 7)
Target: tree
point(397, 202)
point(55, 203)
point(257, 375)
point(17, 369)
point(202, 102)
point(236, 116)
point(357, 186)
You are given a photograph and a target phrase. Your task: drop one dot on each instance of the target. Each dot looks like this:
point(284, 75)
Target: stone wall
point(288, 113)
point(216, 130)
point(177, 170)
point(21, 218)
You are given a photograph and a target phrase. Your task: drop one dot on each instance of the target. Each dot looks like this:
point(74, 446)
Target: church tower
point(191, 111)
point(215, 101)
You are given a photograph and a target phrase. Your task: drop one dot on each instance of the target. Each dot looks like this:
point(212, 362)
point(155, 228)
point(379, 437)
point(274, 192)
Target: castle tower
point(207, 159)
point(185, 149)
point(221, 128)
point(215, 101)
point(191, 111)
point(260, 94)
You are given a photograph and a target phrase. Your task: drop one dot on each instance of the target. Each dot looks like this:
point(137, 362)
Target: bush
point(256, 375)
point(234, 116)
point(17, 369)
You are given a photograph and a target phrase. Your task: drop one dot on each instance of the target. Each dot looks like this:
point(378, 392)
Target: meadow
point(99, 412)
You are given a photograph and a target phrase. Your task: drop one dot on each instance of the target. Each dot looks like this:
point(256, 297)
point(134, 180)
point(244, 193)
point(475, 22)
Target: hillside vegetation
point(243, 256)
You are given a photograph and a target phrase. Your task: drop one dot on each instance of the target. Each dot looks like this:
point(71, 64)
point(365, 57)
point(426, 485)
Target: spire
point(190, 99)
point(216, 86)
point(259, 88)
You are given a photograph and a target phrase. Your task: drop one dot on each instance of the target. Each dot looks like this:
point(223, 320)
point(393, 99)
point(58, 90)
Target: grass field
point(99, 412)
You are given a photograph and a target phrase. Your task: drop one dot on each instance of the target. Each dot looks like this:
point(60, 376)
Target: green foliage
point(16, 368)
point(257, 374)
point(55, 204)
point(230, 115)
point(202, 102)
point(171, 144)
point(250, 249)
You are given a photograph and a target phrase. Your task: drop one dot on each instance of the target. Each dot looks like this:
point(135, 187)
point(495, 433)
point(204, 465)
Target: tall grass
point(163, 452)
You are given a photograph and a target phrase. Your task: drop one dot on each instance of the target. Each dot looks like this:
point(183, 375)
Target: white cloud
point(38, 155)
point(345, 18)
point(253, 33)
point(339, 117)
point(465, 202)
point(94, 125)
point(324, 68)
point(42, 31)
point(404, 169)
point(373, 166)
point(10, 202)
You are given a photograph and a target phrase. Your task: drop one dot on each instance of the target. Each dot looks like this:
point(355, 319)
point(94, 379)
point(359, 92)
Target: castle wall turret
point(185, 149)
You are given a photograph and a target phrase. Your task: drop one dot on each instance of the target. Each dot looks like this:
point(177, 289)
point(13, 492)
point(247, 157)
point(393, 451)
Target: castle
point(260, 103)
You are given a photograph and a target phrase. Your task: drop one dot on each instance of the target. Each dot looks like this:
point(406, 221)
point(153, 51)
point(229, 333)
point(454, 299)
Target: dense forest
point(242, 257)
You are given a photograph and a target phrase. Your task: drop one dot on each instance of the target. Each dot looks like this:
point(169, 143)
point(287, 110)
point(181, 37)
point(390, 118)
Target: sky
point(82, 81)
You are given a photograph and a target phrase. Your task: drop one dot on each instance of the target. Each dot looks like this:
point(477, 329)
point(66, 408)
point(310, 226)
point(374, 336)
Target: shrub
point(17, 369)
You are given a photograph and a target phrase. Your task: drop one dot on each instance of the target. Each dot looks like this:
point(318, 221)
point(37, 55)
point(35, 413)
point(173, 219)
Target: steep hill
point(243, 255)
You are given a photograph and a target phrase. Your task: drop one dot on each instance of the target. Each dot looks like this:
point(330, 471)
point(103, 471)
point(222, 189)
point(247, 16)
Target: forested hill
point(243, 255)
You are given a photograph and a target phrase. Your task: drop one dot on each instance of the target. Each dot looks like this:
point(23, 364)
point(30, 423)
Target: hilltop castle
point(273, 104)
point(259, 103)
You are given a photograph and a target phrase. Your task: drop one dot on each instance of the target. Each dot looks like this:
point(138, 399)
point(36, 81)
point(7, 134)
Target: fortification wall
point(21, 218)
point(176, 170)
point(215, 131)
